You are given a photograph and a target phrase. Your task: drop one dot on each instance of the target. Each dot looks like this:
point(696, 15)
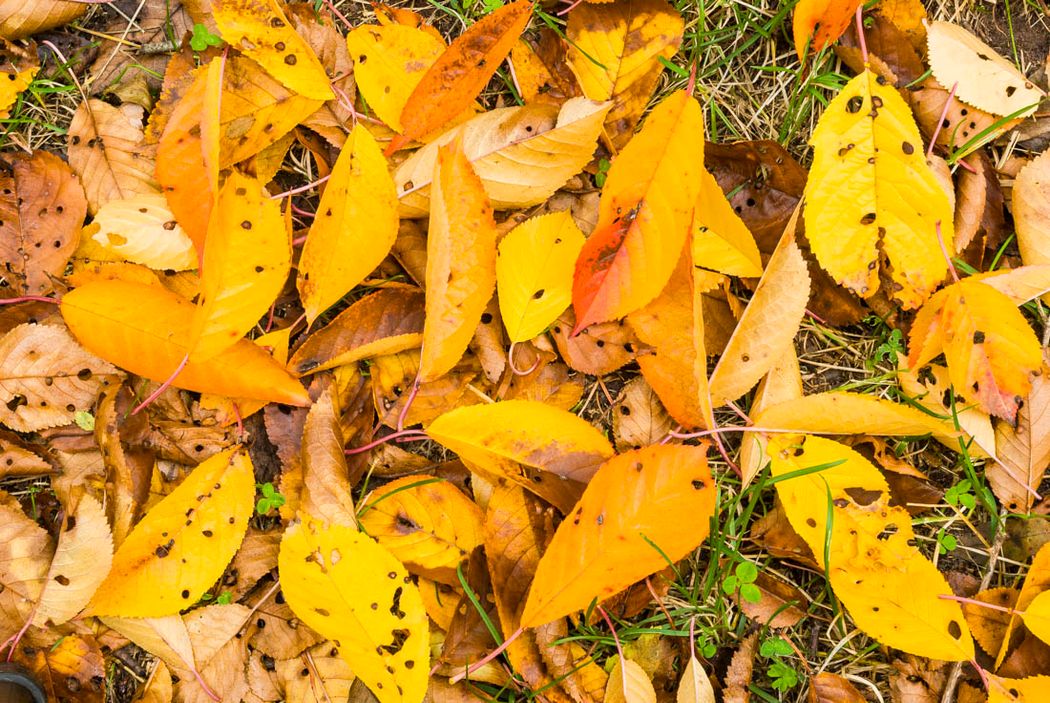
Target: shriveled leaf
point(81, 562)
point(260, 29)
point(426, 522)
point(628, 683)
point(534, 273)
point(521, 154)
point(638, 418)
point(548, 451)
point(598, 349)
point(107, 150)
point(355, 227)
point(247, 256)
point(619, 532)
point(142, 328)
point(331, 575)
point(871, 190)
point(140, 229)
point(42, 206)
point(643, 217)
point(183, 544)
point(1023, 450)
point(461, 262)
point(46, 377)
point(981, 76)
point(385, 322)
point(615, 50)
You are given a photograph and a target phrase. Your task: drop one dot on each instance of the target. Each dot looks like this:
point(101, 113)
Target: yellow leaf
point(624, 528)
point(781, 384)
point(767, 327)
point(695, 686)
point(246, 260)
point(1037, 616)
point(1021, 284)
point(1036, 581)
point(355, 226)
point(870, 190)
point(534, 273)
point(230, 410)
point(721, 240)
point(981, 77)
point(82, 561)
point(260, 29)
point(425, 522)
point(183, 544)
point(345, 586)
point(628, 683)
point(389, 61)
point(1030, 198)
point(615, 51)
point(643, 216)
point(991, 352)
point(1033, 689)
point(13, 85)
point(521, 154)
point(139, 327)
point(546, 450)
point(461, 262)
point(140, 229)
point(892, 592)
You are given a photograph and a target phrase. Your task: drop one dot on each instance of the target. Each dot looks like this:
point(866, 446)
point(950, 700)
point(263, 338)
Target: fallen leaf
point(597, 350)
point(1030, 200)
point(25, 550)
point(780, 603)
point(782, 384)
point(695, 686)
point(628, 683)
point(71, 669)
point(1028, 690)
point(326, 476)
point(832, 688)
point(19, 20)
point(140, 229)
point(638, 418)
point(741, 669)
point(819, 23)
point(989, 626)
point(721, 240)
point(1023, 450)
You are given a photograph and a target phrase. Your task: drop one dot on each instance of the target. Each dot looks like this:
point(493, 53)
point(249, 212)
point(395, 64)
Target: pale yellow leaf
point(628, 683)
point(140, 229)
point(695, 686)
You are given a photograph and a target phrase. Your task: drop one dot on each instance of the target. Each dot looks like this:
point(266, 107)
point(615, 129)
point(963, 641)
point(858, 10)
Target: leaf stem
point(28, 299)
point(409, 435)
point(471, 668)
point(940, 120)
point(163, 387)
point(860, 35)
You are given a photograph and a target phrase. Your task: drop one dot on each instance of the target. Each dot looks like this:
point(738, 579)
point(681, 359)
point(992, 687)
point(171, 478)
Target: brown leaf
point(256, 558)
point(832, 688)
point(318, 675)
point(887, 44)
point(128, 471)
point(19, 458)
point(468, 639)
point(326, 479)
point(775, 534)
point(41, 211)
point(1030, 658)
point(571, 665)
point(487, 343)
point(550, 382)
point(385, 322)
point(638, 418)
point(71, 670)
point(274, 629)
point(781, 604)
point(917, 680)
point(20, 19)
point(1024, 450)
point(741, 667)
point(598, 349)
point(962, 122)
point(107, 150)
point(25, 552)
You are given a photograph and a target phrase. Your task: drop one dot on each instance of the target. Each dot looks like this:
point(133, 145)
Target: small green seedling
point(783, 674)
point(603, 172)
point(946, 542)
point(961, 494)
point(202, 38)
point(271, 499)
point(743, 578)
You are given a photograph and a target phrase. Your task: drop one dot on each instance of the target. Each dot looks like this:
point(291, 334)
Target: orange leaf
point(818, 23)
point(644, 215)
point(461, 262)
point(142, 328)
point(461, 72)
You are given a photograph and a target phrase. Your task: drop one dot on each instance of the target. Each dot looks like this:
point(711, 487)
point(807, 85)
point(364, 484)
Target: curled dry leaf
point(741, 668)
point(42, 207)
point(615, 51)
point(141, 328)
point(183, 544)
point(46, 377)
point(107, 149)
point(957, 124)
point(618, 532)
point(426, 522)
point(548, 451)
point(326, 478)
point(598, 349)
point(1023, 449)
point(521, 154)
point(331, 574)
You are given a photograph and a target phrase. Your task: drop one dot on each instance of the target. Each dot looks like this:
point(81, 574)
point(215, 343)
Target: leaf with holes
point(142, 328)
point(534, 273)
point(721, 240)
point(345, 586)
point(140, 229)
point(839, 504)
point(425, 522)
point(183, 544)
point(625, 527)
point(871, 193)
point(355, 226)
point(644, 214)
point(1027, 690)
point(547, 451)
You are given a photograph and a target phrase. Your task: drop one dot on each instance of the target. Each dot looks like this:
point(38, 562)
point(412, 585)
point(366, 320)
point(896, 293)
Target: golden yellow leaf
point(981, 77)
point(839, 504)
point(246, 259)
point(767, 327)
point(546, 450)
point(46, 377)
point(628, 683)
point(989, 625)
point(534, 273)
point(389, 61)
point(1033, 689)
point(1037, 616)
point(355, 226)
point(782, 383)
point(644, 214)
point(140, 229)
point(461, 262)
point(21, 66)
point(107, 150)
point(183, 544)
point(345, 586)
point(615, 51)
point(260, 29)
point(1030, 198)
point(870, 190)
point(142, 328)
point(721, 240)
point(991, 352)
point(521, 154)
point(81, 562)
point(426, 522)
point(231, 410)
point(625, 527)
point(695, 686)
point(1036, 581)
point(929, 385)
